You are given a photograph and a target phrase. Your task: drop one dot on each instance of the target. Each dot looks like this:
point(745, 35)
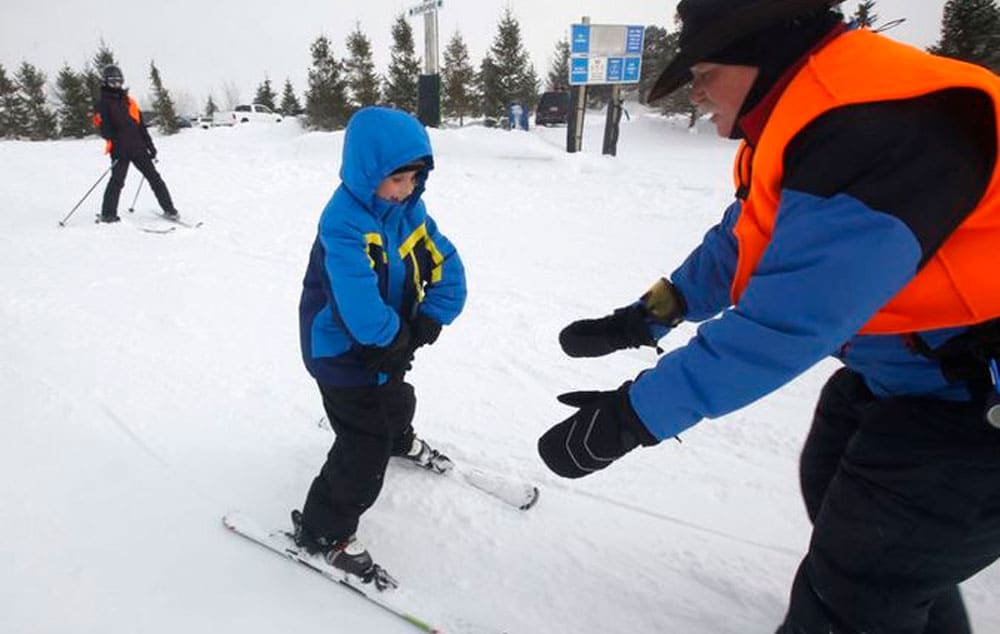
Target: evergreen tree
point(404, 68)
point(326, 98)
point(265, 95)
point(659, 47)
point(970, 31)
point(13, 112)
point(558, 78)
point(514, 76)
point(864, 15)
point(493, 104)
point(362, 80)
point(458, 79)
point(290, 105)
point(41, 121)
point(210, 107)
point(103, 57)
point(76, 103)
point(163, 105)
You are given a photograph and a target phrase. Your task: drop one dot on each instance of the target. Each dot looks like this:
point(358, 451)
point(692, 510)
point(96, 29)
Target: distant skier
point(120, 120)
point(381, 282)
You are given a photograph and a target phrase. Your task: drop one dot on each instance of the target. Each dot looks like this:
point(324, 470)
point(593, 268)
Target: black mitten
point(423, 331)
point(603, 430)
point(627, 327)
point(624, 328)
point(393, 359)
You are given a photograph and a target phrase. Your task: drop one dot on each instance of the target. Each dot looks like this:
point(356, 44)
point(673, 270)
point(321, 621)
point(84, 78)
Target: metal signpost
point(429, 84)
point(602, 54)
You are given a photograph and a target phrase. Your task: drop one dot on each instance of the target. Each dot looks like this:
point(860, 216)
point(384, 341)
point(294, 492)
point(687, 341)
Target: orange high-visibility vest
point(133, 113)
point(959, 285)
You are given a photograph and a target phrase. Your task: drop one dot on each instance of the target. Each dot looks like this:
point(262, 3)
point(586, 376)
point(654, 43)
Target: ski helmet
point(112, 76)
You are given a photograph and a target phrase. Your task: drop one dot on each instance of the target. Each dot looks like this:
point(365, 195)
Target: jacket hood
point(377, 142)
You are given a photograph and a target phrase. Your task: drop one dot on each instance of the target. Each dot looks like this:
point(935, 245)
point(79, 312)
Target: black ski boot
point(348, 555)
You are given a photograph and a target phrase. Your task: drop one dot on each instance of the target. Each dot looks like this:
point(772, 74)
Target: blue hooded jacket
point(374, 262)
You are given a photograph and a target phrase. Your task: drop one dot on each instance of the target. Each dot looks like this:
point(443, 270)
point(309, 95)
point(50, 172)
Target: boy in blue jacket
point(381, 282)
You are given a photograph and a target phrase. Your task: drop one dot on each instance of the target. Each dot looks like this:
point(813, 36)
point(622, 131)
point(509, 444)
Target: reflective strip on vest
point(958, 286)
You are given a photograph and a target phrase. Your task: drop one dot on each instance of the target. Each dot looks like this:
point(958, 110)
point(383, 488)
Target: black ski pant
point(144, 164)
point(372, 423)
point(904, 496)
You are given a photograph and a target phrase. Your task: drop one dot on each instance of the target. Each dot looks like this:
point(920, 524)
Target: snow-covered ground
point(150, 383)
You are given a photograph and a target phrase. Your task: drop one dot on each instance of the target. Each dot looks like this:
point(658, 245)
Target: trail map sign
point(605, 54)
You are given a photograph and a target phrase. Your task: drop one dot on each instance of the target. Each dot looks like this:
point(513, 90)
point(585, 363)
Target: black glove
point(605, 429)
point(151, 151)
point(115, 152)
point(394, 359)
point(627, 327)
point(423, 331)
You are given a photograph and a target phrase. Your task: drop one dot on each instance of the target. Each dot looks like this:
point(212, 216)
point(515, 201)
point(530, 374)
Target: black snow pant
point(904, 496)
point(372, 424)
point(109, 208)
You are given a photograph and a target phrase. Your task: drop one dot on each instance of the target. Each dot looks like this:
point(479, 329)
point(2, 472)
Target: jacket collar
point(753, 122)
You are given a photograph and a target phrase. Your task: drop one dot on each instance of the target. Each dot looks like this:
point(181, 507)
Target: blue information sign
point(615, 69)
point(631, 73)
point(579, 70)
point(605, 53)
point(633, 39)
point(581, 38)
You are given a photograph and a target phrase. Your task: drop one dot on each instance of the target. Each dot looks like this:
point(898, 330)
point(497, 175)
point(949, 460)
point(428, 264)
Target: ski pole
point(993, 400)
point(137, 190)
point(62, 223)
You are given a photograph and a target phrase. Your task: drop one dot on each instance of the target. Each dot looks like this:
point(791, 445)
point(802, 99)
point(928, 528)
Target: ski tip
point(232, 520)
point(532, 499)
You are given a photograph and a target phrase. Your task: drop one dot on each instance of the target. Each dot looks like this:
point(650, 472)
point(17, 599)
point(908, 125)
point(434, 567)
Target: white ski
point(513, 491)
point(393, 601)
point(280, 543)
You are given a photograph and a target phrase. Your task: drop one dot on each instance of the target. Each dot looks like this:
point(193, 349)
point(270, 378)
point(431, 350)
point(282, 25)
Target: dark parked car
point(553, 108)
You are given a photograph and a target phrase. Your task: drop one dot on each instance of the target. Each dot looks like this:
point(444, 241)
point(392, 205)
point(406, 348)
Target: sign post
point(429, 83)
point(606, 54)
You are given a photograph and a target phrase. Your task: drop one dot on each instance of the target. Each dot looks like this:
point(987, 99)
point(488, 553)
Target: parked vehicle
point(201, 121)
point(247, 113)
point(552, 109)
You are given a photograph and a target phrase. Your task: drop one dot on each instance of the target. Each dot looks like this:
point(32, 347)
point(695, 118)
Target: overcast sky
point(201, 45)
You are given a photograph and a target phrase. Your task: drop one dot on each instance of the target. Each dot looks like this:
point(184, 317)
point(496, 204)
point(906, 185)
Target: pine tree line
point(26, 111)
point(338, 87)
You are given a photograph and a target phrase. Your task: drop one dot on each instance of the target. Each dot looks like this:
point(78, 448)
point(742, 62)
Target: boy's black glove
point(605, 429)
point(627, 327)
point(423, 331)
point(151, 151)
point(393, 359)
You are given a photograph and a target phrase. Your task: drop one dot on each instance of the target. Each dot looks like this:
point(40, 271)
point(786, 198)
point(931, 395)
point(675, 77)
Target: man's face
point(397, 187)
point(720, 89)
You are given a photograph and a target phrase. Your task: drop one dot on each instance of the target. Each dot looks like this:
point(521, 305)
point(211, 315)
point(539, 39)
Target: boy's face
point(397, 187)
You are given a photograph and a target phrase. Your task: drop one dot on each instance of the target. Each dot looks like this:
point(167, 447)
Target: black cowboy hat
point(711, 26)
